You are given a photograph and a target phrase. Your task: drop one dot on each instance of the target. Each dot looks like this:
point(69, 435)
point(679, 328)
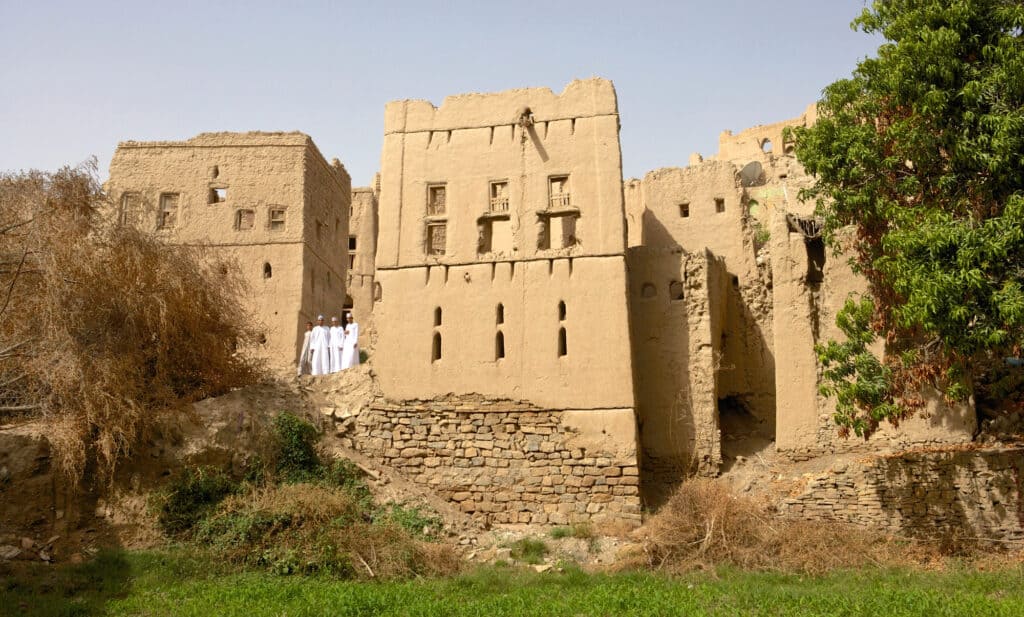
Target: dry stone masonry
point(503, 462)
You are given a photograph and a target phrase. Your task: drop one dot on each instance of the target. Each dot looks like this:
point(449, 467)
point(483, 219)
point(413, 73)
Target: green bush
point(420, 524)
point(529, 550)
point(295, 445)
point(191, 497)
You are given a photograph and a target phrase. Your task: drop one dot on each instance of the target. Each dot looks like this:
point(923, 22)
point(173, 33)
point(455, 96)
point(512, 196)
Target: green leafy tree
point(921, 150)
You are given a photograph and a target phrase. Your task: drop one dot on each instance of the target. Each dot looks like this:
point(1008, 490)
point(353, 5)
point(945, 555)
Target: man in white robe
point(337, 341)
point(305, 364)
point(350, 351)
point(319, 343)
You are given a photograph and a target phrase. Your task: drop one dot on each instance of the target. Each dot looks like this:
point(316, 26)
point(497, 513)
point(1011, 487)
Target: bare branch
point(14, 280)
point(21, 407)
point(7, 352)
point(16, 225)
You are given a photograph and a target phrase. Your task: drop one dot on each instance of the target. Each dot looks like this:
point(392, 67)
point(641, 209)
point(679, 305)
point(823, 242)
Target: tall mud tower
point(502, 309)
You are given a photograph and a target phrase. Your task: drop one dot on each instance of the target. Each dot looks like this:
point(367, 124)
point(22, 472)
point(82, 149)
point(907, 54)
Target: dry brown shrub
point(105, 331)
point(310, 527)
point(705, 524)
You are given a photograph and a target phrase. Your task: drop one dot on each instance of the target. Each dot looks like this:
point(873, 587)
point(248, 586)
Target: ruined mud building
point(546, 334)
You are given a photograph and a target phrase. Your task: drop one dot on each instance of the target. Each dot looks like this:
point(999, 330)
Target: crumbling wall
point(956, 493)
point(362, 274)
point(508, 462)
point(676, 320)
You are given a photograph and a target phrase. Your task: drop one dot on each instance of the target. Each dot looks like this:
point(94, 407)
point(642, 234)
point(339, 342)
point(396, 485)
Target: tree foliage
point(922, 151)
point(105, 331)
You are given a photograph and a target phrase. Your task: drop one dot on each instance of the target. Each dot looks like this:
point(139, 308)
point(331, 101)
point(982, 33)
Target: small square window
point(244, 219)
point(719, 204)
point(558, 192)
point(684, 209)
point(131, 209)
point(436, 236)
point(499, 196)
point(217, 196)
point(168, 218)
point(276, 220)
point(436, 199)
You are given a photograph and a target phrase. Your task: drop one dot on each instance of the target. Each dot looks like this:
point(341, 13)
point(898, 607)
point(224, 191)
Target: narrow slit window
point(563, 347)
point(268, 271)
point(561, 310)
point(499, 346)
point(435, 353)
point(437, 316)
point(500, 314)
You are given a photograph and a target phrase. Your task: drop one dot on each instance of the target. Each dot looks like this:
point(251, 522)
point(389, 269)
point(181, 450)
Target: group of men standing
point(329, 349)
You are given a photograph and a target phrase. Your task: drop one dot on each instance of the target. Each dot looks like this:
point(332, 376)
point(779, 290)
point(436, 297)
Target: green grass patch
point(529, 550)
point(178, 584)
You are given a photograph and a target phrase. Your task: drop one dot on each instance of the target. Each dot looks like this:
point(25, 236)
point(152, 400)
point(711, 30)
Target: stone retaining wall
point(966, 493)
point(507, 462)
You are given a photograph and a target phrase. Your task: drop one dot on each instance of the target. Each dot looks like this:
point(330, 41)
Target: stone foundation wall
point(969, 493)
point(507, 462)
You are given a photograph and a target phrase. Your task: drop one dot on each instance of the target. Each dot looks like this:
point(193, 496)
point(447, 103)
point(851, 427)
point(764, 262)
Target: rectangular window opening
point(499, 196)
point(436, 237)
point(684, 209)
point(131, 209)
point(558, 191)
point(217, 196)
point(168, 211)
point(351, 243)
point(436, 198)
point(276, 220)
point(719, 205)
point(244, 219)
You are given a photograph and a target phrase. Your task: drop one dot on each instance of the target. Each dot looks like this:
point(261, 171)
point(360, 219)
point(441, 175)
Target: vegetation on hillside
point(920, 151)
point(105, 331)
point(297, 513)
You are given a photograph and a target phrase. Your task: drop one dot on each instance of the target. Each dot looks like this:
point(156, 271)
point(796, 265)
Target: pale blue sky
point(77, 77)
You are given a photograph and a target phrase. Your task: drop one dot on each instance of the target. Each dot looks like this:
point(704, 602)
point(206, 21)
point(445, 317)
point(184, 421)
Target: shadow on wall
point(953, 496)
point(660, 333)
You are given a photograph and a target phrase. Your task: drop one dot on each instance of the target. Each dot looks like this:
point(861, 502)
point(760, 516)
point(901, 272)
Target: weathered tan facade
point(546, 337)
point(756, 381)
point(362, 249)
point(267, 201)
point(501, 264)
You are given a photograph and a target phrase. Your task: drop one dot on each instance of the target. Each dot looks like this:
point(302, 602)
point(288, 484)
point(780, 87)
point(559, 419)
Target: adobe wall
point(594, 372)
point(362, 276)
point(956, 493)
point(677, 315)
point(506, 461)
point(257, 172)
point(521, 139)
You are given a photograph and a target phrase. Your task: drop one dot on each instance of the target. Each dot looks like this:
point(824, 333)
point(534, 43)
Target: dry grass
point(105, 331)
point(704, 524)
point(309, 527)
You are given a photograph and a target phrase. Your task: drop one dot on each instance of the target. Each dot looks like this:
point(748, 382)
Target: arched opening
point(766, 146)
point(378, 292)
point(437, 316)
point(499, 346)
point(262, 339)
point(435, 354)
point(267, 270)
point(563, 347)
point(348, 302)
point(561, 310)
point(500, 314)
point(675, 290)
